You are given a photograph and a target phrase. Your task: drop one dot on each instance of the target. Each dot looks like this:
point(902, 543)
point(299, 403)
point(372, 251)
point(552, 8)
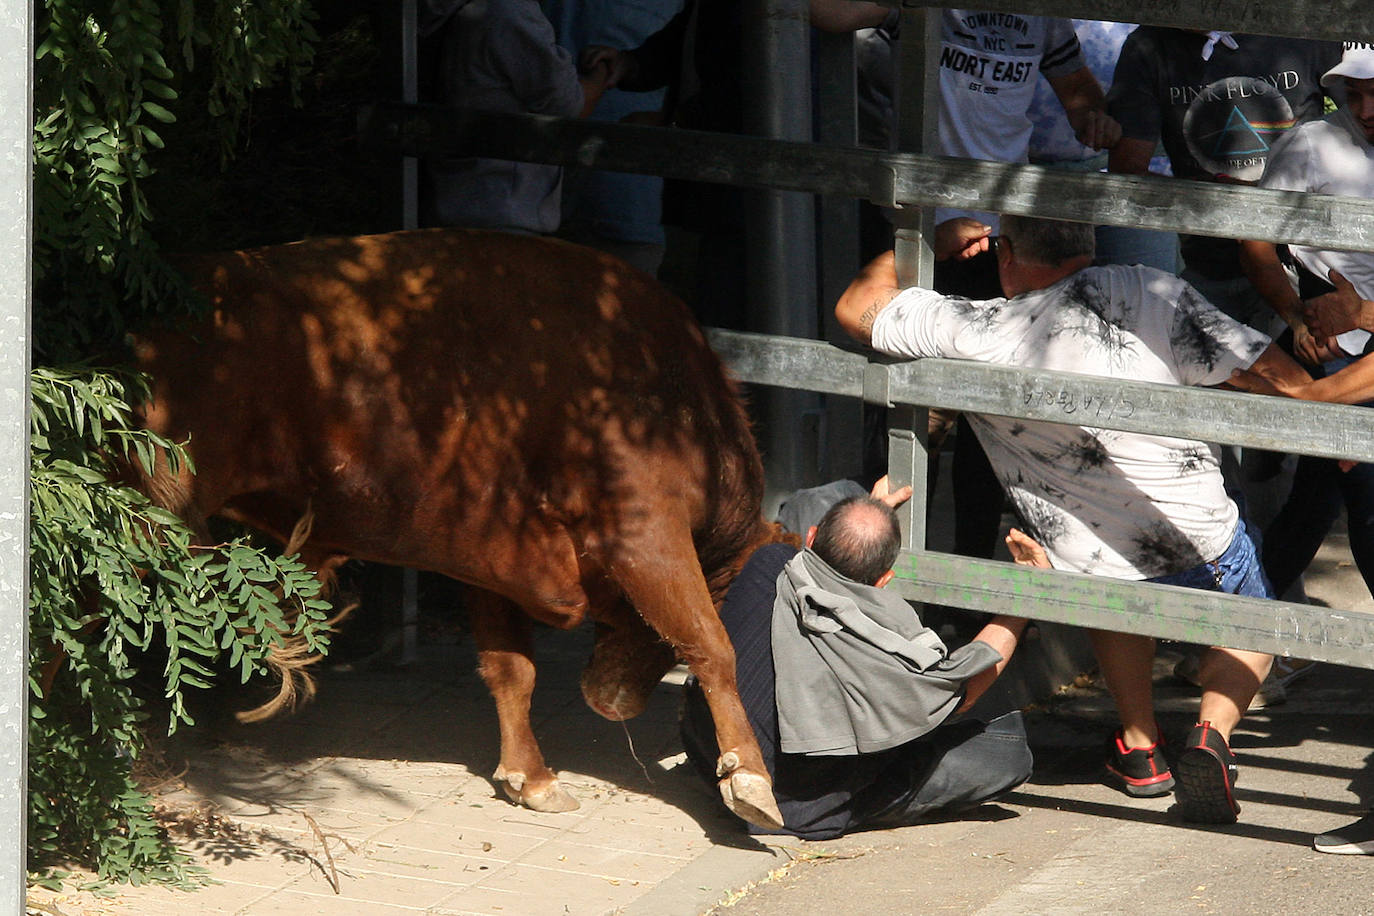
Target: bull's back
point(448, 373)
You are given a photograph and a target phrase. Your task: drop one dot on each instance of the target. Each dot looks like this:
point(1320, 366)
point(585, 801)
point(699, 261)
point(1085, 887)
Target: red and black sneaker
point(1141, 772)
point(1206, 778)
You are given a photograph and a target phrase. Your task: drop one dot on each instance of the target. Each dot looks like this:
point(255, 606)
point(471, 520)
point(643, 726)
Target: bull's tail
point(290, 659)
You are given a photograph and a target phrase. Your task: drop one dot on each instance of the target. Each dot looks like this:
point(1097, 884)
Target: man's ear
point(884, 579)
point(810, 535)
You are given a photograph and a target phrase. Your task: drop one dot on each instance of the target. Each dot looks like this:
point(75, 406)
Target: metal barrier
point(910, 181)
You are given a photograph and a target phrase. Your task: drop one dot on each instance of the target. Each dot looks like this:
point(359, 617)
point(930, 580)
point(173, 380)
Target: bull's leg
point(506, 663)
point(659, 571)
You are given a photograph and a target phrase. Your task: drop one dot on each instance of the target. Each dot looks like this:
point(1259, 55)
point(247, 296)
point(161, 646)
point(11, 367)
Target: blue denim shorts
point(1237, 571)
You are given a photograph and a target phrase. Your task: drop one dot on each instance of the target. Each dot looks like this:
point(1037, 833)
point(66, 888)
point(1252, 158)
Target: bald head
point(859, 538)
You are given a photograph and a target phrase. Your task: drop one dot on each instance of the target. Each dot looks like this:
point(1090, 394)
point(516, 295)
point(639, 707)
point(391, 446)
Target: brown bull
point(528, 416)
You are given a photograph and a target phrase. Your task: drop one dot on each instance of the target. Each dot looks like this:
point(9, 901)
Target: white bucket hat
point(1357, 63)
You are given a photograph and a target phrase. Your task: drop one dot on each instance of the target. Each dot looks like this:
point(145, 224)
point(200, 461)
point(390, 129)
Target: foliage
point(115, 581)
point(104, 91)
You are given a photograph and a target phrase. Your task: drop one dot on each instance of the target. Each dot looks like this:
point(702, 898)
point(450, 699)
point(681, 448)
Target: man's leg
point(1135, 760)
point(1229, 679)
point(1126, 661)
point(1206, 769)
point(957, 767)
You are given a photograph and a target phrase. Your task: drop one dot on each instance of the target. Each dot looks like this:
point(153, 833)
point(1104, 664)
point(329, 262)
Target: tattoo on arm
point(868, 316)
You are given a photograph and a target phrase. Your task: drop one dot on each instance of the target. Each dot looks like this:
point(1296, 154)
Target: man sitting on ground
point(853, 700)
point(1119, 504)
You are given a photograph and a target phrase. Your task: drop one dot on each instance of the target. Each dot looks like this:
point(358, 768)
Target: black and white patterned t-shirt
point(1112, 503)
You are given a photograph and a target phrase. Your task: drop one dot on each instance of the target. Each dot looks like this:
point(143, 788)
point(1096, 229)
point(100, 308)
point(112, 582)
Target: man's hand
point(1309, 349)
point(1025, 550)
point(1095, 128)
point(961, 238)
point(618, 64)
point(1339, 311)
point(882, 490)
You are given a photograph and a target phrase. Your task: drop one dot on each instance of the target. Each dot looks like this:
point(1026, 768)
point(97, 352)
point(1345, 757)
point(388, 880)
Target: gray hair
point(859, 538)
point(1047, 241)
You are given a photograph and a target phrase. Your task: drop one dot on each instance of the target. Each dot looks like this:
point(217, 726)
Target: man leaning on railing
point(1126, 505)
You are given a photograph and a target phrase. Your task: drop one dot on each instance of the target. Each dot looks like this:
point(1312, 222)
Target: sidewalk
point(375, 799)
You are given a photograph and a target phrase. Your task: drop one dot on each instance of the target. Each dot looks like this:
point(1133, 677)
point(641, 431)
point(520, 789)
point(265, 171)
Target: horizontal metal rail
point(1168, 612)
point(1329, 430)
point(1330, 19)
point(1209, 618)
point(900, 179)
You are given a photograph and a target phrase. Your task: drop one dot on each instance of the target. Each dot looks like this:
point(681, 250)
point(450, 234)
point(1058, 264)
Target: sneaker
point(1206, 777)
point(1355, 839)
point(1141, 772)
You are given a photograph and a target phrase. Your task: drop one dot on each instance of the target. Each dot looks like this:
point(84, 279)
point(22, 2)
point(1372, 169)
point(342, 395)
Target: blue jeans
point(1237, 571)
point(960, 765)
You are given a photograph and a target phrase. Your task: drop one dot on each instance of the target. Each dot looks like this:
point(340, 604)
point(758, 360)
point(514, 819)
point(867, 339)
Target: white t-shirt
point(1330, 156)
point(1111, 503)
point(989, 66)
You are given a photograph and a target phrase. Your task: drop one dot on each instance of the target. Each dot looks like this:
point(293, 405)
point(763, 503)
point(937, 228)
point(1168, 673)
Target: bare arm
point(867, 295)
point(1002, 633)
point(1267, 276)
point(594, 83)
point(1086, 107)
point(1352, 385)
point(846, 15)
point(1131, 156)
point(1278, 368)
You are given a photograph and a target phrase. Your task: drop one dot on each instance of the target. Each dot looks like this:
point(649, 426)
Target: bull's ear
point(884, 579)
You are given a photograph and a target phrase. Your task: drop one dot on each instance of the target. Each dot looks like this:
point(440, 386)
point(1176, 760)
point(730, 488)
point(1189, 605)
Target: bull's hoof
point(750, 796)
point(551, 798)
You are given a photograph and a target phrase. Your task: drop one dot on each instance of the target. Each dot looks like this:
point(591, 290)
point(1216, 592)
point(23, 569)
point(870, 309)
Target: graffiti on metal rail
point(1079, 405)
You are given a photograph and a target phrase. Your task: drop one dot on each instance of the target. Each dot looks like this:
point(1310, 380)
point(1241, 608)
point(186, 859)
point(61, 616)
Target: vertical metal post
point(917, 91)
point(16, 258)
point(837, 124)
point(780, 227)
point(410, 219)
point(410, 94)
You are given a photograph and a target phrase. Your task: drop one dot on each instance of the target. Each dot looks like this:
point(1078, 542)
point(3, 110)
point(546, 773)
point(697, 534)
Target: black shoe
point(1141, 772)
point(1355, 839)
point(1206, 777)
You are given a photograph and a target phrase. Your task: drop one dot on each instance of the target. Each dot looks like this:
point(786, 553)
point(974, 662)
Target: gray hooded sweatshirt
point(857, 671)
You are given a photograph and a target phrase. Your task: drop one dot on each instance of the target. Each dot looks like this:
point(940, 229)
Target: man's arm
point(867, 295)
point(846, 15)
point(1352, 385)
point(1131, 156)
point(1003, 633)
point(1086, 107)
point(1267, 276)
point(1277, 368)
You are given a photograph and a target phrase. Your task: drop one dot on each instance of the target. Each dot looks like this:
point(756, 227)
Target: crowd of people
point(895, 746)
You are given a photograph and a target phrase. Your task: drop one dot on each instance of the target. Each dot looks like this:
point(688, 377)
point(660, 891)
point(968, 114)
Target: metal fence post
point(917, 97)
point(781, 227)
point(838, 236)
point(16, 157)
point(410, 219)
